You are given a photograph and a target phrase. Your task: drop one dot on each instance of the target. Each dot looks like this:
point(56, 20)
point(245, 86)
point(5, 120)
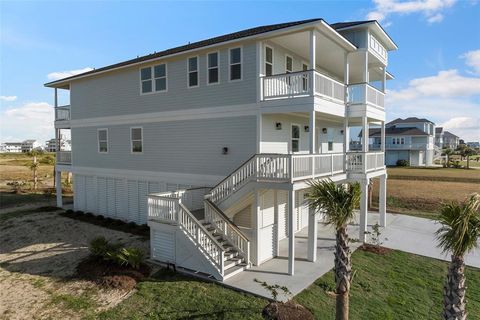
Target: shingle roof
point(438, 129)
point(198, 44)
point(448, 133)
point(397, 132)
point(340, 25)
point(408, 120)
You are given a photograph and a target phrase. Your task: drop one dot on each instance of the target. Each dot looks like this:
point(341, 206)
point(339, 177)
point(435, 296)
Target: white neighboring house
point(31, 144)
point(213, 143)
point(410, 139)
point(450, 140)
point(51, 145)
point(13, 147)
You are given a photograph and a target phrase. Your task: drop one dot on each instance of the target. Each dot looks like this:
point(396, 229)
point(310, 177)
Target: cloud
point(431, 9)
point(33, 120)
point(64, 74)
point(472, 59)
point(8, 98)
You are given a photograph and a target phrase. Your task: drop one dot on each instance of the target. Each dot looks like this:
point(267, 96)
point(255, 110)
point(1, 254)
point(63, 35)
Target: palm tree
point(34, 167)
point(337, 202)
point(458, 235)
point(448, 152)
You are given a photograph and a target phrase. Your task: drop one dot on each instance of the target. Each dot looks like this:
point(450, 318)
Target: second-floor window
point(268, 61)
point(136, 140)
point(235, 64)
point(295, 138)
point(288, 64)
point(212, 68)
point(154, 79)
point(193, 72)
point(102, 136)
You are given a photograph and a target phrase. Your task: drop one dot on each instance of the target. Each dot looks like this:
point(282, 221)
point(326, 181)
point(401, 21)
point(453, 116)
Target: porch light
point(341, 131)
point(324, 130)
point(278, 125)
point(225, 150)
point(307, 128)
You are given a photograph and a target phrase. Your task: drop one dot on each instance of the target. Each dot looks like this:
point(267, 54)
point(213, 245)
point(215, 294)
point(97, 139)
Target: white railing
point(298, 84)
point(228, 229)
point(361, 162)
point(377, 47)
point(167, 207)
point(317, 165)
point(363, 93)
point(62, 113)
point(401, 146)
point(64, 157)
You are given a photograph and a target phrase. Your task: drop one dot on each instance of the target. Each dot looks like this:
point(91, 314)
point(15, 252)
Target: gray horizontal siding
point(118, 92)
point(193, 146)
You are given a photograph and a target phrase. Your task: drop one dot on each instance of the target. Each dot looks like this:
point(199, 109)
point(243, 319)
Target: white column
point(291, 232)
point(346, 141)
point(260, 73)
point(382, 200)
point(382, 137)
point(365, 67)
point(346, 76)
point(55, 104)
point(365, 133)
point(384, 79)
point(58, 186)
point(313, 62)
point(277, 219)
point(256, 228)
point(312, 235)
point(363, 210)
point(259, 131)
point(312, 132)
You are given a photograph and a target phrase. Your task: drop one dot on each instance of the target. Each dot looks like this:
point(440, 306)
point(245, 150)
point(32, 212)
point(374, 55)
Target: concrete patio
point(405, 233)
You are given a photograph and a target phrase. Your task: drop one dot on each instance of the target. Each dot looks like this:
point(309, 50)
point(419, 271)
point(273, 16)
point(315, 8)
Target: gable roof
point(408, 120)
point(448, 133)
point(374, 132)
point(195, 45)
point(341, 25)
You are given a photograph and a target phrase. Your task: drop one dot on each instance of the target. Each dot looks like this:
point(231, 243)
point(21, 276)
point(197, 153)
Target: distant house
point(450, 140)
point(29, 145)
point(439, 137)
point(410, 139)
point(473, 144)
point(13, 146)
point(51, 145)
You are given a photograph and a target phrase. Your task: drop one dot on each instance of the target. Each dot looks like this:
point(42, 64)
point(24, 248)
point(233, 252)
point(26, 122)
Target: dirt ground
point(39, 252)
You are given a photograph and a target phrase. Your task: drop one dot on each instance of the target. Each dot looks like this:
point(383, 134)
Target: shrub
point(47, 160)
point(100, 217)
point(132, 257)
point(402, 163)
point(102, 248)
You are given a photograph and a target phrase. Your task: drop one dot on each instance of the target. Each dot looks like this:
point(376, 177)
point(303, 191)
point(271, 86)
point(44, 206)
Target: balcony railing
point(378, 49)
point(361, 162)
point(399, 146)
point(299, 84)
point(62, 113)
point(363, 93)
point(64, 157)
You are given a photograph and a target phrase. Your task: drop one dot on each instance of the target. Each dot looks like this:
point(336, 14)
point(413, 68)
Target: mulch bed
point(286, 311)
point(375, 249)
point(110, 275)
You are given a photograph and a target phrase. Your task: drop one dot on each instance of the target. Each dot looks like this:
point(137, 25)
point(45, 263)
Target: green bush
point(102, 248)
point(114, 252)
point(47, 160)
point(402, 163)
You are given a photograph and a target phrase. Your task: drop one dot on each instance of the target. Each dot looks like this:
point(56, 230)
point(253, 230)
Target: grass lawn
point(395, 286)
point(173, 296)
point(437, 174)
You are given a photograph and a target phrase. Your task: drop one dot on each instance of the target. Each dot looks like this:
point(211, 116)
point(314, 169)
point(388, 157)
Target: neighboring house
point(51, 145)
point(31, 144)
point(410, 139)
point(246, 120)
point(450, 140)
point(439, 137)
point(473, 144)
point(3, 147)
point(13, 147)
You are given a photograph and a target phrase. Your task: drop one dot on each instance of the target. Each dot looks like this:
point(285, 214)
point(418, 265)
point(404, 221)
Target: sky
point(436, 68)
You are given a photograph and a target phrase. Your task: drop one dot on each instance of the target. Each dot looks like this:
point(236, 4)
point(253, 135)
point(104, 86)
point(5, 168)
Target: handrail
point(368, 84)
point(238, 168)
point(227, 219)
point(200, 225)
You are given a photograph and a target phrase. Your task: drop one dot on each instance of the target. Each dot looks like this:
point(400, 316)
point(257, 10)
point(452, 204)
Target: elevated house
point(213, 143)
point(13, 147)
point(450, 140)
point(31, 144)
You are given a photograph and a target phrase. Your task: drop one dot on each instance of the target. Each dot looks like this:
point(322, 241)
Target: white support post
point(365, 133)
point(382, 137)
point(291, 232)
point(256, 228)
point(277, 219)
point(363, 211)
point(58, 186)
point(383, 200)
point(312, 130)
point(384, 79)
point(313, 62)
point(312, 235)
point(260, 73)
point(259, 131)
point(55, 104)
point(365, 68)
point(346, 141)
point(346, 78)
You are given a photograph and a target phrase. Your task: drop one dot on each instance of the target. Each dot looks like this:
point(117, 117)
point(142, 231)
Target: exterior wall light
point(278, 125)
point(324, 130)
point(306, 128)
point(225, 150)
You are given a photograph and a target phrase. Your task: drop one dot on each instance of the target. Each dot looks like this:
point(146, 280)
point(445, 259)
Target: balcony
point(364, 162)
point(363, 94)
point(64, 157)
point(62, 113)
point(378, 49)
point(400, 146)
point(299, 84)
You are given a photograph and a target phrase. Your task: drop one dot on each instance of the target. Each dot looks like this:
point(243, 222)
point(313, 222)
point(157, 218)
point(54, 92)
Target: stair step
point(230, 263)
point(234, 270)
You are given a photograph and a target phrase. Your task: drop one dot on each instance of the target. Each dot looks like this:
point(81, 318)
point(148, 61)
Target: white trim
point(131, 140)
point(238, 110)
point(197, 71)
point(208, 68)
point(230, 63)
point(152, 70)
point(98, 141)
point(265, 59)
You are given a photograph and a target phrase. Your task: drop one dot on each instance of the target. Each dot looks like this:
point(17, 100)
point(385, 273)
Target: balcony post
point(346, 78)
point(365, 77)
point(55, 104)
point(291, 232)
point(384, 79)
point(58, 187)
point(312, 235)
point(312, 132)
point(313, 63)
point(382, 197)
point(382, 137)
point(256, 225)
point(365, 133)
point(363, 210)
point(260, 72)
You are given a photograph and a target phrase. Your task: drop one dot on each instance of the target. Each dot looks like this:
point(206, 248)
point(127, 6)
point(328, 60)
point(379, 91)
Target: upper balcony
point(366, 94)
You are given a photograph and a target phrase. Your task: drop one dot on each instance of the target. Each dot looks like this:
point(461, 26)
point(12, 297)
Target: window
point(236, 64)
point(330, 134)
point(288, 64)
point(268, 61)
point(160, 74)
point(295, 138)
point(102, 136)
point(146, 77)
point(136, 138)
point(212, 68)
point(154, 78)
point(305, 77)
point(193, 72)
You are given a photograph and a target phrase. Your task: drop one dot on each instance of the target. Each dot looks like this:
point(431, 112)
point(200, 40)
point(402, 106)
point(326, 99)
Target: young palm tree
point(337, 202)
point(458, 235)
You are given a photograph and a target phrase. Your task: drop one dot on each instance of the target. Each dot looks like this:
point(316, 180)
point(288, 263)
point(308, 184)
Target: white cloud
point(472, 59)
point(64, 74)
point(431, 9)
point(462, 123)
point(33, 120)
point(8, 98)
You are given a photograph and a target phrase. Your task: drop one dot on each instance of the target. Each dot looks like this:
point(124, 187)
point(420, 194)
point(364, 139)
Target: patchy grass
point(434, 174)
point(396, 286)
point(169, 295)
point(9, 199)
point(83, 302)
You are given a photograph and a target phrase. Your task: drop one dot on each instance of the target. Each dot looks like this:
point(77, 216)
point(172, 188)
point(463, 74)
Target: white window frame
point(152, 70)
point(208, 68)
point(190, 71)
point(230, 64)
point(265, 59)
point(286, 57)
point(299, 137)
point(305, 84)
point(98, 141)
point(131, 140)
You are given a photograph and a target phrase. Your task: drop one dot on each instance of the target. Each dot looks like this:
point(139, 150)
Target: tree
point(448, 152)
point(34, 167)
point(338, 202)
point(458, 235)
point(467, 152)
